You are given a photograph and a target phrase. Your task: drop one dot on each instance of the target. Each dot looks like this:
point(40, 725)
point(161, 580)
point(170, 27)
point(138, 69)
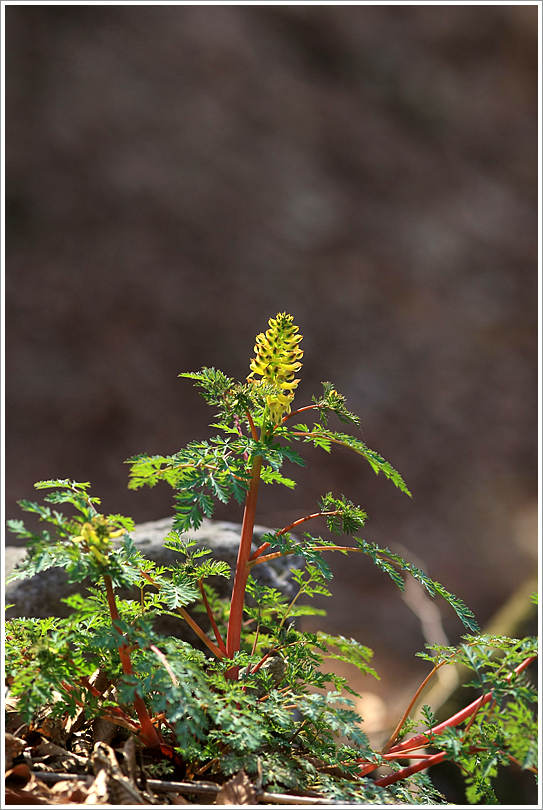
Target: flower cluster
point(277, 361)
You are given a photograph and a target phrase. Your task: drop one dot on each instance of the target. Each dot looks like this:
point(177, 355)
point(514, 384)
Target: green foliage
point(332, 401)
point(503, 730)
point(203, 472)
point(264, 703)
point(344, 517)
point(349, 651)
point(320, 436)
point(428, 716)
point(390, 562)
point(271, 476)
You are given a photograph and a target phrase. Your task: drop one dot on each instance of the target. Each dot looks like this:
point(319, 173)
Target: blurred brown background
point(176, 175)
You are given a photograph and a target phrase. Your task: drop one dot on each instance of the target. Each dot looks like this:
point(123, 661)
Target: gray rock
point(40, 595)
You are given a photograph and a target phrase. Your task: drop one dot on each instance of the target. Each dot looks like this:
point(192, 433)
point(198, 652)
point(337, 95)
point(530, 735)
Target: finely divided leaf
point(177, 594)
point(350, 651)
point(333, 401)
point(321, 437)
point(270, 476)
point(61, 482)
point(388, 561)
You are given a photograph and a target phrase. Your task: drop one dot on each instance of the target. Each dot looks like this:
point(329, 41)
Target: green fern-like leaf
point(344, 517)
point(349, 651)
point(271, 476)
point(176, 594)
point(390, 562)
point(334, 402)
point(320, 434)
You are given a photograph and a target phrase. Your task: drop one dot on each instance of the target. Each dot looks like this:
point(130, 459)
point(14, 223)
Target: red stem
point(211, 617)
point(277, 554)
point(473, 716)
point(149, 732)
point(162, 658)
point(422, 739)
point(405, 772)
point(114, 717)
point(386, 748)
point(433, 759)
point(264, 546)
point(260, 550)
point(114, 713)
point(300, 410)
point(233, 638)
point(260, 663)
point(217, 652)
point(254, 434)
point(114, 613)
point(190, 621)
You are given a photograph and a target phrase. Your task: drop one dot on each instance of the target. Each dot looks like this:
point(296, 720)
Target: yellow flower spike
point(97, 536)
point(277, 361)
point(102, 559)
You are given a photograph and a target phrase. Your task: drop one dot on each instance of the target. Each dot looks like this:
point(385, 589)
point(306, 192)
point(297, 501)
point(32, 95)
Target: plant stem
point(261, 662)
point(421, 740)
point(277, 554)
point(233, 638)
point(388, 745)
point(200, 633)
point(162, 658)
point(149, 732)
point(405, 772)
point(190, 621)
point(427, 762)
point(114, 713)
point(254, 433)
point(264, 546)
point(211, 617)
point(114, 613)
point(300, 410)
point(473, 716)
